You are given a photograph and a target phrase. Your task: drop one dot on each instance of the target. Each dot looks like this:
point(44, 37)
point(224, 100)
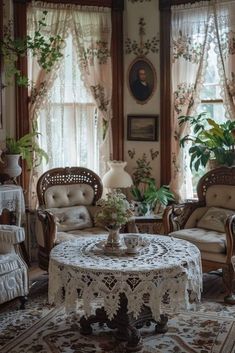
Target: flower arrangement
point(115, 210)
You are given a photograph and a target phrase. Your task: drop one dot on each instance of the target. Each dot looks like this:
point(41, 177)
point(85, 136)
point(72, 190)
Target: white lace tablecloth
point(12, 199)
point(167, 269)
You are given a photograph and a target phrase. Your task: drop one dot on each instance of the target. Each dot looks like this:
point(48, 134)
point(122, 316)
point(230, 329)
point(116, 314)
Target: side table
point(12, 199)
point(152, 224)
point(164, 277)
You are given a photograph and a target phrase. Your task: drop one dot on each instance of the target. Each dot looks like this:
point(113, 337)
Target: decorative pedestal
point(125, 324)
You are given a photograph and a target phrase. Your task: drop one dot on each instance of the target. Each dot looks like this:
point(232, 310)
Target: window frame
point(22, 116)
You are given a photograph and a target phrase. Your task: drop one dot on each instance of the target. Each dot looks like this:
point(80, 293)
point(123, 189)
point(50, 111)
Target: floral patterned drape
point(194, 27)
point(57, 23)
point(224, 34)
point(190, 26)
point(91, 30)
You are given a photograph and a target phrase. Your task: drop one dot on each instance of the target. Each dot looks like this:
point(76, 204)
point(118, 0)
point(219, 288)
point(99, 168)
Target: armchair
point(67, 198)
point(13, 269)
point(209, 223)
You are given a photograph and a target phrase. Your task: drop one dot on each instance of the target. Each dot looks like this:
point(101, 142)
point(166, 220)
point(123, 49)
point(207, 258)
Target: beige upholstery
point(205, 240)
point(13, 270)
point(209, 223)
point(205, 226)
point(214, 219)
point(221, 196)
point(63, 236)
point(195, 217)
point(68, 195)
point(71, 218)
point(67, 199)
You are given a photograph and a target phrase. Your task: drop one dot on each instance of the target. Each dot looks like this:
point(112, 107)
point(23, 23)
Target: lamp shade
point(117, 177)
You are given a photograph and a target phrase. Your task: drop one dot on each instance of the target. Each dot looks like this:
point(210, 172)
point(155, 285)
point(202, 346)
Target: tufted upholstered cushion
point(195, 217)
point(205, 240)
point(63, 236)
point(68, 195)
point(71, 218)
point(221, 196)
point(214, 219)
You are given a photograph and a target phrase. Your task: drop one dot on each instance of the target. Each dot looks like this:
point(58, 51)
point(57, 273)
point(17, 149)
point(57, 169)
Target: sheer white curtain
point(72, 103)
point(189, 47)
point(70, 128)
point(194, 28)
point(224, 37)
point(57, 23)
point(92, 39)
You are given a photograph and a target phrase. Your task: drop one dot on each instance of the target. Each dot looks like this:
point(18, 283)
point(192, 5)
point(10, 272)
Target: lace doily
point(12, 199)
point(167, 271)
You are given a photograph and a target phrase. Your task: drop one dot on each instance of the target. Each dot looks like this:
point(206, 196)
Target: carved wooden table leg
point(125, 324)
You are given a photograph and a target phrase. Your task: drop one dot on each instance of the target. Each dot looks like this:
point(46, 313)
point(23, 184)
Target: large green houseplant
point(210, 141)
point(145, 191)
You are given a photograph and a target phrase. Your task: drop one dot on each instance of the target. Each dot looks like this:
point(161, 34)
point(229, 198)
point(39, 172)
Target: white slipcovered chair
point(209, 224)
point(13, 269)
point(67, 198)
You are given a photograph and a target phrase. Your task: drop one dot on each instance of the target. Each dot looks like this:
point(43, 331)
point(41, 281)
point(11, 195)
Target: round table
point(164, 276)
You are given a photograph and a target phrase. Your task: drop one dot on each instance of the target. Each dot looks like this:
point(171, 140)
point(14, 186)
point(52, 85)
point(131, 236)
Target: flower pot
point(141, 208)
point(12, 168)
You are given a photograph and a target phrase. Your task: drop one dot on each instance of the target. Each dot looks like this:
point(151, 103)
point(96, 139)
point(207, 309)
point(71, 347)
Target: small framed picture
point(142, 127)
point(141, 80)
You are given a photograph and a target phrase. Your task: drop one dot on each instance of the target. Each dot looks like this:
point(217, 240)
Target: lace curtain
point(194, 27)
point(190, 26)
point(224, 37)
point(62, 112)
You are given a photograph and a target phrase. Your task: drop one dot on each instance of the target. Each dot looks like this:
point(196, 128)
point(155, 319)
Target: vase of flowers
point(115, 212)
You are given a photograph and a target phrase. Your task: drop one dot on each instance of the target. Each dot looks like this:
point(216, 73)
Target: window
point(70, 127)
point(211, 100)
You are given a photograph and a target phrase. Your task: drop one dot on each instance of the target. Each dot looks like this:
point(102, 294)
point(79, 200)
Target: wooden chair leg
point(228, 278)
point(23, 300)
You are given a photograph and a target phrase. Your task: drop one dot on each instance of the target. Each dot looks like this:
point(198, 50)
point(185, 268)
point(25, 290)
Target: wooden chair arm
point(176, 215)
point(230, 236)
point(48, 223)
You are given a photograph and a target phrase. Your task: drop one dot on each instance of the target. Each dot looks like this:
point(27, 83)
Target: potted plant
point(145, 193)
point(27, 148)
point(210, 141)
point(115, 211)
point(151, 197)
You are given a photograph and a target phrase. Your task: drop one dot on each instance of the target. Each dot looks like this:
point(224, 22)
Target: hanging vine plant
point(46, 49)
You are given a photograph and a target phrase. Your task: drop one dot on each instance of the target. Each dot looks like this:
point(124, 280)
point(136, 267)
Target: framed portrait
point(142, 127)
point(141, 80)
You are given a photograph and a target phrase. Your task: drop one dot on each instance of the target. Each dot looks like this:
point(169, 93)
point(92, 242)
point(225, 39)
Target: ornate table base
point(127, 326)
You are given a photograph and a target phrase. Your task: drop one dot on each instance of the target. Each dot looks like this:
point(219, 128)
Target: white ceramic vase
point(12, 168)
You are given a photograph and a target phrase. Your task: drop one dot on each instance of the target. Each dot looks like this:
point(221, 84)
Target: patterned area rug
point(43, 329)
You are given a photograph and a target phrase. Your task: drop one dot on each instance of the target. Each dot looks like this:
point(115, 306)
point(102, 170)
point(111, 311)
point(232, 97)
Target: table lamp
point(117, 177)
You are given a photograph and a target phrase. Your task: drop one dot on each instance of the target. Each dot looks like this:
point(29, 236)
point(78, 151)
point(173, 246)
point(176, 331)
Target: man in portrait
point(140, 87)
